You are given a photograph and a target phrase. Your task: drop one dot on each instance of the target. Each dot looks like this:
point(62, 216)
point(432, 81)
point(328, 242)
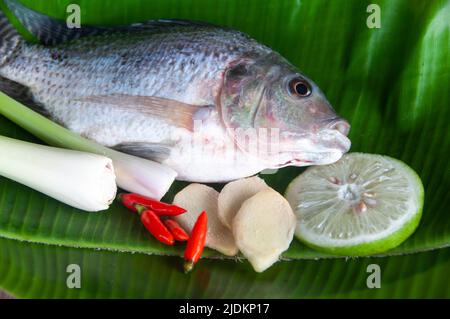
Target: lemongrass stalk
point(133, 174)
point(82, 180)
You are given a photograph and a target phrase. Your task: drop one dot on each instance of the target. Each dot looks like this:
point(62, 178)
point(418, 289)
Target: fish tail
point(9, 39)
point(17, 24)
point(40, 28)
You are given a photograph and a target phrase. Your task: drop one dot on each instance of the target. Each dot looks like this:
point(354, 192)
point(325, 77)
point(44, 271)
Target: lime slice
point(363, 204)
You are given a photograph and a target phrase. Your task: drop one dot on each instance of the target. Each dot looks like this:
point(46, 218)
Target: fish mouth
point(334, 140)
point(317, 158)
point(338, 124)
point(325, 147)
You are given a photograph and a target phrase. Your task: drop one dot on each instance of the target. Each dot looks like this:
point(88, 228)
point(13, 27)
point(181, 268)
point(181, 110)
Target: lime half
point(363, 204)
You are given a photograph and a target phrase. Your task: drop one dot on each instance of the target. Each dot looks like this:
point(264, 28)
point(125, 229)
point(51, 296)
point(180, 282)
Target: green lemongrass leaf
point(46, 130)
point(390, 83)
point(40, 271)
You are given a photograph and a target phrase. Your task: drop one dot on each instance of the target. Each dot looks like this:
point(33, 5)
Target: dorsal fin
point(164, 23)
point(50, 31)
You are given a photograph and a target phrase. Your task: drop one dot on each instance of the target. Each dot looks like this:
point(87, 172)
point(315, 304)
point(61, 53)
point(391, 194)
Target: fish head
point(269, 95)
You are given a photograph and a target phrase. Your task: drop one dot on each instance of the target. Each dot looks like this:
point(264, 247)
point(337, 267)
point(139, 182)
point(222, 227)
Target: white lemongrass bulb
point(82, 180)
point(139, 175)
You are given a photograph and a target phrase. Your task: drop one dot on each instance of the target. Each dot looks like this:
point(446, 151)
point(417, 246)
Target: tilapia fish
point(210, 102)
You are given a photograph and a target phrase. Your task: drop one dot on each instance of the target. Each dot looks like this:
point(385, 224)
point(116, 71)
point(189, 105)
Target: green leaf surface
point(392, 84)
point(40, 271)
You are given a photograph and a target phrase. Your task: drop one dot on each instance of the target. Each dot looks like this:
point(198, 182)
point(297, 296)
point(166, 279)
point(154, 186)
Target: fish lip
point(329, 139)
point(343, 143)
point(339, 124)
point(296, 162)
point(326, 158)
point(330, 144)
point(332, 138)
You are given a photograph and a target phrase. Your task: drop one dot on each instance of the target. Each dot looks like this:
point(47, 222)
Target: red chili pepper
point(196, 243)
point(131, 200)
point(177, 231)
point(156, 227)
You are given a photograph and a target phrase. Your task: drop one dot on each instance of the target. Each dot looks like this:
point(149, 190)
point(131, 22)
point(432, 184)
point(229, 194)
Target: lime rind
point(363, 245)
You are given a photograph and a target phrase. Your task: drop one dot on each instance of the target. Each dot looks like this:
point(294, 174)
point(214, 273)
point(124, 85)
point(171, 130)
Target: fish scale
point(134, 61)
point(172, 91)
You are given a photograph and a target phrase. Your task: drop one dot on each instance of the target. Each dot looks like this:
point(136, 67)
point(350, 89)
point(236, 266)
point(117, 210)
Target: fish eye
point(299, 87)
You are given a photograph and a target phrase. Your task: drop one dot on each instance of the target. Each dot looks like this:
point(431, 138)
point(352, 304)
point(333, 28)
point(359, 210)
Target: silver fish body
point(181, 94)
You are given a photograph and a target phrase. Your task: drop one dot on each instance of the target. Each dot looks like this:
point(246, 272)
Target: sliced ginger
point(263, 228)
point(196, 198)
point(234, 194)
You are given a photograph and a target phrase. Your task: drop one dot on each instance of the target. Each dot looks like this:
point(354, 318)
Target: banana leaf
point(40, 271)
point(391, 83)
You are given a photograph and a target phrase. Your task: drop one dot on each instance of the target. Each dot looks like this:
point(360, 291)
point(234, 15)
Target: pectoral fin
point(152, 151)
point(175, 112)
